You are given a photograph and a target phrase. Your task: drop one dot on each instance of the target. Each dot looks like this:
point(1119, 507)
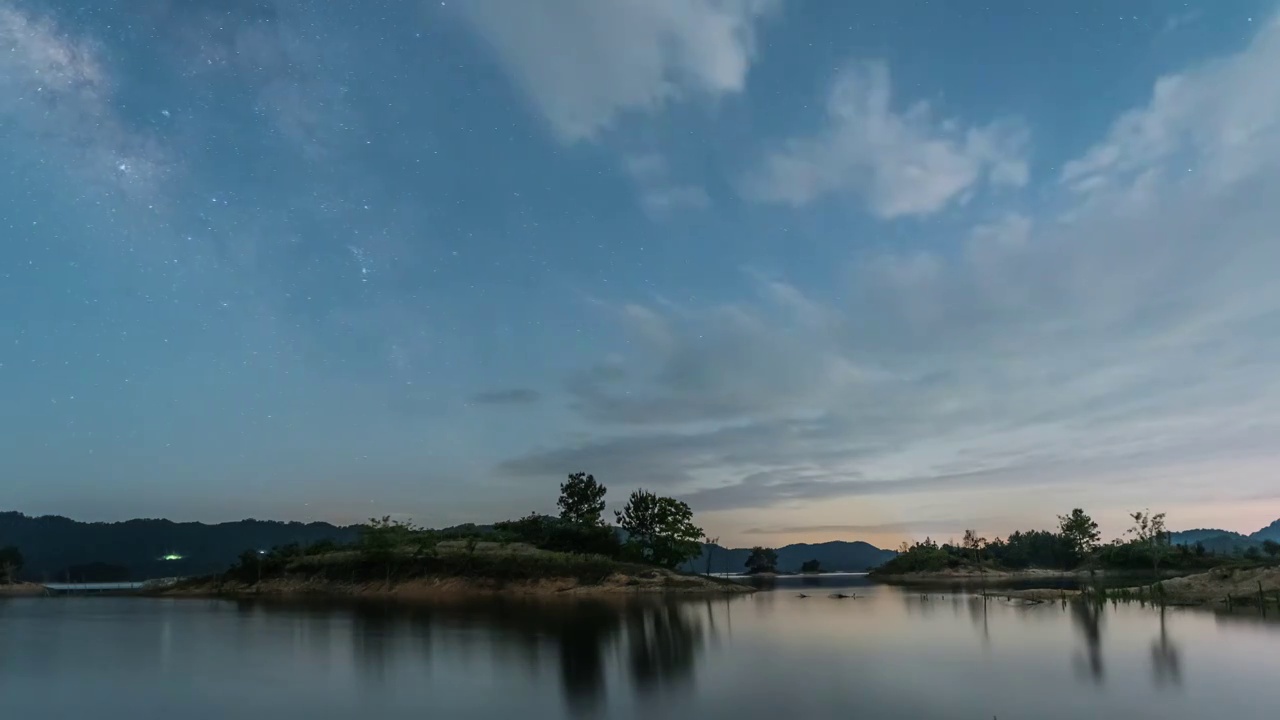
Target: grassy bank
point(972, 574)
point(449, 568)
point(20, 589)
point(1230, 586)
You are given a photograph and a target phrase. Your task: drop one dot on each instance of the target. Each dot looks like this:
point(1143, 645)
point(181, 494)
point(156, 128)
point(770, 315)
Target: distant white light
point(172, 556)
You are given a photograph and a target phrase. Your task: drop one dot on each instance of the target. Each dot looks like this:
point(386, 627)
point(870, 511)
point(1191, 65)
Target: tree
point(581, 500)
point(710, 543)
point(1253, 553)
point(810, 566)
point(11, 563)
point(1271, 548)
point(1149, 531)
point(1080, 531)
point(762, 560)
point(382, 540)
point(974, 544)
point(660, 530)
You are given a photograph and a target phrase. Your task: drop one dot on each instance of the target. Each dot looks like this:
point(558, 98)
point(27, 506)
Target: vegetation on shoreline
point(1073, 548)
point(11, 562)
point(1232, 587)
point(574, 550)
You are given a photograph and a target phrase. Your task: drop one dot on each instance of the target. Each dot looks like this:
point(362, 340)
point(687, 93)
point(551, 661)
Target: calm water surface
point(887, 654)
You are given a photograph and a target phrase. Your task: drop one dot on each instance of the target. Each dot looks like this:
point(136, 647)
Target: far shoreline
point(657, 584)
point(971, 575)
point(22, 589)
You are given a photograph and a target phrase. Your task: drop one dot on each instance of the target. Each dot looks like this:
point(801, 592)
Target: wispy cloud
point(1136, 331)
point(660, 196)
point(956, 525)
point(899, 162)
point(583, 63)
point(512, 396)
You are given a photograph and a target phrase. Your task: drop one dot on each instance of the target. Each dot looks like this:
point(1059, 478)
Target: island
point(1045, 565)
point(574, 553)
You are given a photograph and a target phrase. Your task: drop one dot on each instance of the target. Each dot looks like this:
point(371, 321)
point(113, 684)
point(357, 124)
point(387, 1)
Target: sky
point(873, 270)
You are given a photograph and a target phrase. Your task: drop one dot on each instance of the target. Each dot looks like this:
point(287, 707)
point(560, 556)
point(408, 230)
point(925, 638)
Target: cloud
point(908, 528)
point(1218, 120)
point(583, 63)
point(659, 195)
point(1129, 337)
point(900, 163)
point(513, 396)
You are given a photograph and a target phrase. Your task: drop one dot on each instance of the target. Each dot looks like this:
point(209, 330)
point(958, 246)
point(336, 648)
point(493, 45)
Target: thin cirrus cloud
point(1134, 333)
point(584, 63)
point(512, 396)
point(660, 196)
point(899, 163)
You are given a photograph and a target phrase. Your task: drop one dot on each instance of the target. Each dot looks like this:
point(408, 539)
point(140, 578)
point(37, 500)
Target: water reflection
point(372, 630)
point(659, 641)
point(1087, 617)
point(1164, 657)
point(889, 653)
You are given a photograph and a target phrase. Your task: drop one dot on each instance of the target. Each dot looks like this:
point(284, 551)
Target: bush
point(499, 567)
point(922, 557)
point(551, 533)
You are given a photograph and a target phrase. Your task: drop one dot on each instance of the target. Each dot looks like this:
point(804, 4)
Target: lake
point(889, 653)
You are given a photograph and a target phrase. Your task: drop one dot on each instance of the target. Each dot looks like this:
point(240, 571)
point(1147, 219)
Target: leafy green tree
point(11, 563)
point(762, 560)
point(660, 530)
point(1253, 553)
point(383, 540)
point(810, 566)
point(1271, 548)
point(1031, 548)
point(547, 532)
point(1149, 531)
point(1080, 531)
point(921, 557)
point(581, 500)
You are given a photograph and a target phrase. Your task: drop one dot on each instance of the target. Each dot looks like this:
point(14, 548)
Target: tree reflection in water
point(1088, 617)
point(1164, 657)
point(658, 640)
point(662, 644)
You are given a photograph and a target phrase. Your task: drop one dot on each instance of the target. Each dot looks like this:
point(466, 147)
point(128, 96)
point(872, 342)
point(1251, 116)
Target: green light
point(172, 556)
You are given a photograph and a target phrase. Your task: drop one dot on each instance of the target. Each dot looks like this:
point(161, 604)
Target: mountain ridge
point(60, 548)
point(833, 555)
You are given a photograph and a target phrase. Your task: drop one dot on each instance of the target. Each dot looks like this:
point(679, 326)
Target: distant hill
point(1225, 541)
point(835, 556)
point(1270, 532)
point(58, 548)
point(1201, 534)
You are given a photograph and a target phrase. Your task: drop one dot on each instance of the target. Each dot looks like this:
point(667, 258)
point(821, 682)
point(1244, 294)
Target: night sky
point(824, 270)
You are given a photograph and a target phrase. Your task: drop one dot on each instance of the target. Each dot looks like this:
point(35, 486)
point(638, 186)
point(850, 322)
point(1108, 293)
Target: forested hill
point(836, 556)
point(56, 548)
point(1225, 541)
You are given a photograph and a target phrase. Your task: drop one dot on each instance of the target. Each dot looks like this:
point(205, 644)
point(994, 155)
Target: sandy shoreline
point(21, 590)
point(989, 576)
point(433, 588)
point(1220, 586)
